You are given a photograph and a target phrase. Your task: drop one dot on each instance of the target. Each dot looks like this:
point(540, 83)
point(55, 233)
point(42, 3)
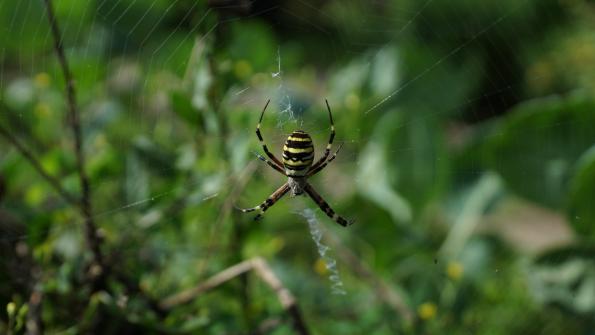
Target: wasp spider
point(298, 156)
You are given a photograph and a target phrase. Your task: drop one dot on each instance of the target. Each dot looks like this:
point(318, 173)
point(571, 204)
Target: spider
point(298, 156)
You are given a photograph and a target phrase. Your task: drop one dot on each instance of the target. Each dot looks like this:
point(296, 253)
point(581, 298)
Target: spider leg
point(264, 146)
point(325, 206)
point(327, 151)
point(319, 168)
point(269, 202)
point(271, 164)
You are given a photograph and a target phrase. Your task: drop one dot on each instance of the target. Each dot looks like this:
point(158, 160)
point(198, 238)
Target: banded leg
point(325, 207)
point(314, 171)
point(271, 164)
point(327, 151)
point(269, 202)
point(264, 146)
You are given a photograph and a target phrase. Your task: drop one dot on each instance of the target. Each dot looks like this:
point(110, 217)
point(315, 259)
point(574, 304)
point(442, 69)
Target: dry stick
point(93, 240)
point(216, 280)
point(285, 297)
point(53, 181)
point(263, 271)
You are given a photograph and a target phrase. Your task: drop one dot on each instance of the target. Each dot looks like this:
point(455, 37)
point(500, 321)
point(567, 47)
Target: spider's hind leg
point(268, 203)
point(324, 206)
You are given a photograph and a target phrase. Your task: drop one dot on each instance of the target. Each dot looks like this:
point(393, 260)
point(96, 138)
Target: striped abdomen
point(298, 154)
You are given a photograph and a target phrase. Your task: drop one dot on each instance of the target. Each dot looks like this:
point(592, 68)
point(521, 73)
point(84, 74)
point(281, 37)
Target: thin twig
point(91, 235)
point(285, 297)
point(216, 280)
point(53, 181)
point(263, 271)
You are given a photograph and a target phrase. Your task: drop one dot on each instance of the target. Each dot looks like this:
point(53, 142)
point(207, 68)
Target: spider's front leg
point(271, 164)
point(319, 168)
point(260, 138)
point(327, 151)
point(268, 203)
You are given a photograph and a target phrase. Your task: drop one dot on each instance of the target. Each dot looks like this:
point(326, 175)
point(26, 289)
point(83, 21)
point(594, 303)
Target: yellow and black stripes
point(270, 201)
point(298, 154)
point(324, 206)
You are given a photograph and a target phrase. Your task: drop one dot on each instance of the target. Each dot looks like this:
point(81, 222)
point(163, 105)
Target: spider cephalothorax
point(297, 165)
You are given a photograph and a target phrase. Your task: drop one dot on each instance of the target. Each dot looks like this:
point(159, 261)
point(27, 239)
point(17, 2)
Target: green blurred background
point(468, 164)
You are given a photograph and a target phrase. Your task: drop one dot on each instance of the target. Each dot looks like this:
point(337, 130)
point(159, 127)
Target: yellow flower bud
point(320, 267)
point(427, 310)
point(42, 80)
point(11, 307)
point(454, 270)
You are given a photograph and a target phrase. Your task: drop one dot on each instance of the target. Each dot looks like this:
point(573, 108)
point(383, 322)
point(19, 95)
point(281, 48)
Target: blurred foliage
point(546, 137)
point(449, 111)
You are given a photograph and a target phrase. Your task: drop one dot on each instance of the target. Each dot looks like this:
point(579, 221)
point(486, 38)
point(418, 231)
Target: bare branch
point(97, 268)
point(218, 279)
point(268, 276)
point(285, 297)
point(53, 181)
point(263, 271)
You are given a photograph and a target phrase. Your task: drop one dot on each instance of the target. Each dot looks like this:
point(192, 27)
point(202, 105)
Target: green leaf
point(253, 42)
point(373, 183)
point(416, 158)
point(581, 195)
point(404, 166)
point(537, 143)
point(182, 106)
point(155, 158)
point(137, 179)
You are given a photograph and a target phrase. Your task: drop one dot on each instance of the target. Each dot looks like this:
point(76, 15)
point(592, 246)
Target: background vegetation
point(468, 165)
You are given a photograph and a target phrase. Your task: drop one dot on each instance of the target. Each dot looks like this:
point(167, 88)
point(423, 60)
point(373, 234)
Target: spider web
point(285, 115)
point(92, 28)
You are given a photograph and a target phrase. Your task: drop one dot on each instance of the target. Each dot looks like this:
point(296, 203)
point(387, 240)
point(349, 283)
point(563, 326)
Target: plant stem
point(93, 240)
point(53, 181)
